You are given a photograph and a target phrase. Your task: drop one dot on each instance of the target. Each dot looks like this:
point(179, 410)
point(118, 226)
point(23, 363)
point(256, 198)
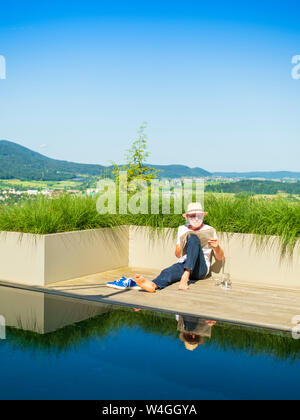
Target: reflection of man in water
point(193, 331)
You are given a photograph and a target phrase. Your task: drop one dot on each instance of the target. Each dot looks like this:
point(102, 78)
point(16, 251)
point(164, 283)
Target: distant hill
point(178, 171)
point(17, 161)
point(266, 175)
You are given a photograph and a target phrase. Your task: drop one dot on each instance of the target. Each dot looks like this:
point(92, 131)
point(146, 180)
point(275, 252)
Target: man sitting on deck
point(195, 243)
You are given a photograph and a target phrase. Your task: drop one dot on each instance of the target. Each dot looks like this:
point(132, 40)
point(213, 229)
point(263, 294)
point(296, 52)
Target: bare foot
point(145, 284)
point(183, 285)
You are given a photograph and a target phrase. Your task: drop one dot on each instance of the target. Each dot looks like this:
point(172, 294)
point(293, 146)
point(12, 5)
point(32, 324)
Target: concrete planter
point(22, 258)
point(44, 259)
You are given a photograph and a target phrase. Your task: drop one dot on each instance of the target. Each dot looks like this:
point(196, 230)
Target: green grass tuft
point(259, 216)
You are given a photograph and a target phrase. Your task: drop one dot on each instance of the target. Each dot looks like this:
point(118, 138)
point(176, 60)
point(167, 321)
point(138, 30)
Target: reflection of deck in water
point(44, 313)
point(249, 304)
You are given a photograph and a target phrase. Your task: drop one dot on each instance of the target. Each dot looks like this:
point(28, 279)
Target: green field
point(65, 185)
point(251, 187)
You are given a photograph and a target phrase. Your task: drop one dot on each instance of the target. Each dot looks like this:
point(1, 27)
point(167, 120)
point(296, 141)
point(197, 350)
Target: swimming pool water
point(110, 352)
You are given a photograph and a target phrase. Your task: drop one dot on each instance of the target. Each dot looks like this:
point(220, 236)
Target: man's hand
point(214, 243)
point(178, 251)
point(218, 251)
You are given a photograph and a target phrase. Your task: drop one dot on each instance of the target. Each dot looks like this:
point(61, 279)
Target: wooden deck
point(249, 304)
point(246, 304)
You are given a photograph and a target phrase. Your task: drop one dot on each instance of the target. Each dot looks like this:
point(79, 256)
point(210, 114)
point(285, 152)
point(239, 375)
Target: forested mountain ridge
point(19, 162)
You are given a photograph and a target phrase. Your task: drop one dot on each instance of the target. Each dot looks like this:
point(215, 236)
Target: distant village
point(15, 194)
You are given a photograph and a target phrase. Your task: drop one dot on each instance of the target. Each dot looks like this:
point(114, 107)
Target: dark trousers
point(195, 262)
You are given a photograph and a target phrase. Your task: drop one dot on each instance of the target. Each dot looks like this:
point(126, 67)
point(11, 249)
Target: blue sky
point(212, 79)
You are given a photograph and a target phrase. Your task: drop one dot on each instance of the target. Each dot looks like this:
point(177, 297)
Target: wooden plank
point(249, 304)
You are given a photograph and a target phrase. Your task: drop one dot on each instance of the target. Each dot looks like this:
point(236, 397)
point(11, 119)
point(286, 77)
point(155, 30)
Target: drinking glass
point(226, 283)
point(217, 278)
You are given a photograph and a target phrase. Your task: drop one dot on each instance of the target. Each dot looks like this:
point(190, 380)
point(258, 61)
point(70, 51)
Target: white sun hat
point(195, 208)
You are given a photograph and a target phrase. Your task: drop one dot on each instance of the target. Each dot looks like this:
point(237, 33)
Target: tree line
point(256, 187)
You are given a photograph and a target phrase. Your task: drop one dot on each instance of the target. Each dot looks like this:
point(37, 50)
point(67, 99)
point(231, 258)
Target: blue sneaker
point(133, 285)
point(123, 283)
